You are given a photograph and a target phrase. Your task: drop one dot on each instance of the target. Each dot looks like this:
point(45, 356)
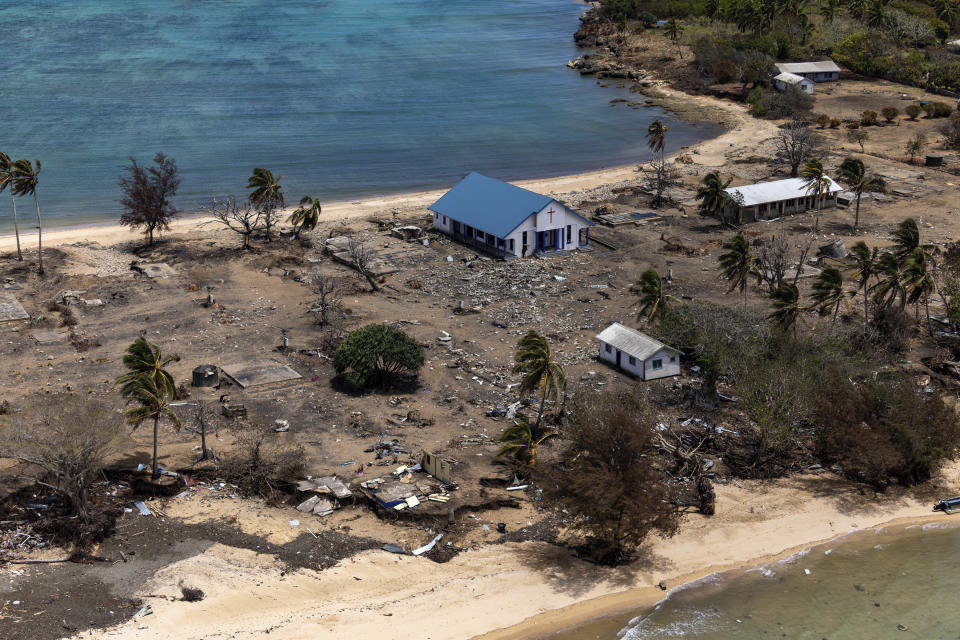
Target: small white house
point(506, 220)
point(785, 80)
point(824, 71)
point(637, 353)
point(769, 200)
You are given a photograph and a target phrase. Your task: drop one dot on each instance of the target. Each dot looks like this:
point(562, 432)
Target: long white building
point(768, 200)
point(507, 221)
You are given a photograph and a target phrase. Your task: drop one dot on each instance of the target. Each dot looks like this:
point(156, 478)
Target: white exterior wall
point(540, 221)
point(669, 368)
point(443, 223)
point(643, 369)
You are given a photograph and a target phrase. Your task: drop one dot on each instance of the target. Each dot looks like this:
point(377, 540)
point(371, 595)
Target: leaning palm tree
point(786, 306)
point(143, 358)
point(906, 240)
point(738, 263)
point(854, 173)
point(713, 196)
point(306, 216)
point(520, 442)
point(650, 295)
point(535, 361)
point(6, 180)
point(889, 284)
point(865, 265)
point(918, 282)
point(267, 195)
point(657, 136)
point(817, 182)
point(828, 291)
point(26, 176)
point(149, 402)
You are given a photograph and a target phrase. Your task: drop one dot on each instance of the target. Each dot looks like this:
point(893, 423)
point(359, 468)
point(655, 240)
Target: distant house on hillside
point(786, 80)
point(507, 221)
point(637, 353)
point(768, 200)
point(825, 71)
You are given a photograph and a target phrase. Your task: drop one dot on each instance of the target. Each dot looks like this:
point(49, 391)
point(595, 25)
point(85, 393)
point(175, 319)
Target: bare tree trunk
point(39, 233)
point(16, 226)
point(156, 433)
point(926, 306)
point(866, 306)
point(856, 219)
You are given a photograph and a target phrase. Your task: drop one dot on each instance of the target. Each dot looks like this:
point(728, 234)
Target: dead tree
point(659, 175)
point(201, 415)
point(242, 218)
point(796, 143)
point(362, 259)
point(329, 299)
point(774, 260)
point(802, 260)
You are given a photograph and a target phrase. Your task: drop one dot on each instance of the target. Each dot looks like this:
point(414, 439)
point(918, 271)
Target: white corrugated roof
point(775, 191)
point(791, 78)
point(630, 341)
point(808, 67)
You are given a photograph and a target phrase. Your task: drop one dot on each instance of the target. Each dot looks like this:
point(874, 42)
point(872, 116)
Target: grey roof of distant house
point(824, 66)
point(630, 341)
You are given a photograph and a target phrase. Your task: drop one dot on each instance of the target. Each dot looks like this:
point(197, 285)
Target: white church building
point(507, 221)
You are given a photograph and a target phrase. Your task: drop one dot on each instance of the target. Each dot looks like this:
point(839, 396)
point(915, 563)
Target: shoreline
point(707, 152)
point(547, 624)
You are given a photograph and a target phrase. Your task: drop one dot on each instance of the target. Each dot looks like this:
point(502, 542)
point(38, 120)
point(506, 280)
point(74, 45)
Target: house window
point(511, 244)
point(569, 233)
point(607, 348)
point(633, 360)
point(673, 358)
point(657, 364)
point(524, 238)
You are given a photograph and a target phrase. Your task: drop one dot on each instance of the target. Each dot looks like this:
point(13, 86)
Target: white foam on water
point(693, 622)
point(935, 525)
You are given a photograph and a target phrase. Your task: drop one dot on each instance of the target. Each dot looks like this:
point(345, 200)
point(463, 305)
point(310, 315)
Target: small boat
point(948, 505)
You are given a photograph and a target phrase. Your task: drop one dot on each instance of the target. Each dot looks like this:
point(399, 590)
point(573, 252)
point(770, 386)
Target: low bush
point(890, 113)
point(262, 468)
point(724, 71)
point(913, 111)
point(868, 118)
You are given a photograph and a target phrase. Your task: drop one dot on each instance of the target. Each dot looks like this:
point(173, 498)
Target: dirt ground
point(568, 298)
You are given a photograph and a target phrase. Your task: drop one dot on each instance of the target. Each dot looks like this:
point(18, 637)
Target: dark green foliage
point(647, 18)
point(375, 354)
point(871, 53)
point(608, 481)
point(147, 194)
point(913, 110)
point(791, 103)
point(885, 430)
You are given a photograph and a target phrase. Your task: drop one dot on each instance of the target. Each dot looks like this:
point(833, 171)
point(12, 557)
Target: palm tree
point(865, 266)
point(650, 296)
point(828, 10)
point(817, 183)
point(267, 195)
point(535, 361)
point(150, 402)
point(306, 216)
point(906, 240)
point(6, 180)
point(918, 282)
point(738, 264)
point(520, 442)
point(786, 306)
point(828, 290)
point(713, 196)
point(854, 173)
point(714, 10)
point(657, 136)
point(889, 284)
point(25, 179)
point(143, 358)
point(674, 29)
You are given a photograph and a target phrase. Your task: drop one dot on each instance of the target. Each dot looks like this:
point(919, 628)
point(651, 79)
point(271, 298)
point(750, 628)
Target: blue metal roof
point(489, 205)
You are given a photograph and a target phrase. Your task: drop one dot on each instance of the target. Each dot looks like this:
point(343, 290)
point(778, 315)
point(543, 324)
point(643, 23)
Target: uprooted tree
point(608, 479)
point(374, 355)
point(68, 437)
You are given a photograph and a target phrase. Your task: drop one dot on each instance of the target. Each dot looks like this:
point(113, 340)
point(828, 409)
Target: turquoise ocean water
point(345, 98)
point(898, 583)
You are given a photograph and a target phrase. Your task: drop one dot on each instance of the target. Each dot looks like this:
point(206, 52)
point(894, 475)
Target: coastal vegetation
point(375, 355)
point(148, 194)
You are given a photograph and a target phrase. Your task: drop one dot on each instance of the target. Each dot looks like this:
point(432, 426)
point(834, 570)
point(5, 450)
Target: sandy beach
point(499, 592)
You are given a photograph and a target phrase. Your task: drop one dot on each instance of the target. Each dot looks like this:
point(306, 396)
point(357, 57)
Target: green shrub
point(890, 113)
point(913, 110)
point(757, 102)
point(375, 354)
point(647, 18)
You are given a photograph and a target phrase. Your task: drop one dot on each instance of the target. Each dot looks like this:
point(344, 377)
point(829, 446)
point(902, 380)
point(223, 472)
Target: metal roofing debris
point(777, 190)
point(490, 205)
point(824, 66)
point(630, 341)
point(253, 374)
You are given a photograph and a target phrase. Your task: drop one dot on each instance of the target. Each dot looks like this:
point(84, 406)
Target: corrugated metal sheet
point(826, 66)
point(763, 192)
point(790, 78)
point(630, 341)
point(490, 205)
